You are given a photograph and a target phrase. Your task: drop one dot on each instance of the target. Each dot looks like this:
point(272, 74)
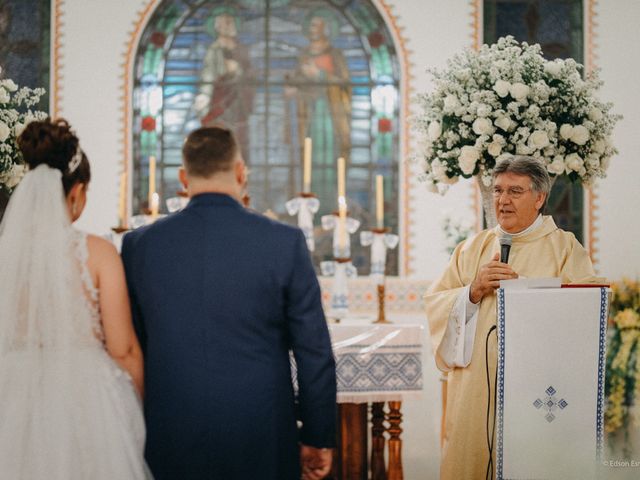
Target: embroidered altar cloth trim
point(377, 363)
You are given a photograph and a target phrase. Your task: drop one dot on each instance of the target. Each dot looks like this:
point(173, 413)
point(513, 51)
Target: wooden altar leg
point(353, 441)
point(377, 442)
point(395, 443)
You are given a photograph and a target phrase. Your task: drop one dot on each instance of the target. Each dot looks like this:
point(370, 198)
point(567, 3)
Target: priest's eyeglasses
point(512, 192)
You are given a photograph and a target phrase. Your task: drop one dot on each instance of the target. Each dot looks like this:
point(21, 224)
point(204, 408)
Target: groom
point(220, 295)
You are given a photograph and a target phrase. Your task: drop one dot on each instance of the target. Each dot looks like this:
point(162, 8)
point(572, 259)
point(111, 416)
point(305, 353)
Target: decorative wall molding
point(55, 83)
point(127, 85)
point(408, 182)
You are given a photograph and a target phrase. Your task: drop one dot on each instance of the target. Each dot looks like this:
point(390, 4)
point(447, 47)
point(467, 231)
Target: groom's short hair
point(209, 150)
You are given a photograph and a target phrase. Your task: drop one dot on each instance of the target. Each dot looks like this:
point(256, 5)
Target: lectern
point(550, 382)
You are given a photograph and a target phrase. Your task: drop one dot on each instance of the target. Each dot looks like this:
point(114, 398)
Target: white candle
point(379, 201)
point(341, 177)
point(342, 206)
point(152, 179)
point(306, 176)
point(155, 204)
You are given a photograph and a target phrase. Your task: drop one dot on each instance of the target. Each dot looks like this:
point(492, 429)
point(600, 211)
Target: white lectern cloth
point(550, 382)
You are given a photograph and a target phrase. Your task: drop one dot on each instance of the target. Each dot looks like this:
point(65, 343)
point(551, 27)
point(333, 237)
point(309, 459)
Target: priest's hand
point(316, 462)
point(488, 278)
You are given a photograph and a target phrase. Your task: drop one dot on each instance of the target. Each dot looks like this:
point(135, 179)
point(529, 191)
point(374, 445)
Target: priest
point(461, 304)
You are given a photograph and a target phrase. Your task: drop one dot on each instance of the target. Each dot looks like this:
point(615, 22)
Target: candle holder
point(341, 269)
point(306, 205)
point(380, 239)
point(341, 246)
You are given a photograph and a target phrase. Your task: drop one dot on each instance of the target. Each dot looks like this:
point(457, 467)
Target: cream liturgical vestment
point(546, 251)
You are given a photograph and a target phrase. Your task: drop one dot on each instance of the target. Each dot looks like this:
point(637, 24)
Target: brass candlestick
point(381, 315)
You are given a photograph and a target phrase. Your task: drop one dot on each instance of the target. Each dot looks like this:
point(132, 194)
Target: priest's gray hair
point(530, 167)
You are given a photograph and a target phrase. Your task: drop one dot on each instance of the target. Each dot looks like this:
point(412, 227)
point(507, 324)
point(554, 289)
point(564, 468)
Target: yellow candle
point(122, 200)
point(379, 201)
point(155, 205)
point(306, 176)
point(341, 176)
point(152, 179)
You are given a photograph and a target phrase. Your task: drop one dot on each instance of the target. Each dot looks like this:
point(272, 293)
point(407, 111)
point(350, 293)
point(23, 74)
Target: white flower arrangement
point(15, 114)
point(507, 99)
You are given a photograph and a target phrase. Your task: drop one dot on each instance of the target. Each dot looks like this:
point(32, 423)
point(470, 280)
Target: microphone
point(505, 247)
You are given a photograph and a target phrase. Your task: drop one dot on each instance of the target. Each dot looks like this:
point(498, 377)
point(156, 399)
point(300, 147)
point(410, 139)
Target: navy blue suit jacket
point(219, 296)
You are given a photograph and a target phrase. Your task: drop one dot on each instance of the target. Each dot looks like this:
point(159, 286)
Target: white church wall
point(618, 222)
point(93, 43)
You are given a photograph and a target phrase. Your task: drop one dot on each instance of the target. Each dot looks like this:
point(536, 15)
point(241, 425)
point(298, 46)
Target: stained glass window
point(557, 25)
point(25, 44)
point(275, 71)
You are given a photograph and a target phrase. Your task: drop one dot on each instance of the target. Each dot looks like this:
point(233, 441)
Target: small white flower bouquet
point(15, 114)
point(507, 99)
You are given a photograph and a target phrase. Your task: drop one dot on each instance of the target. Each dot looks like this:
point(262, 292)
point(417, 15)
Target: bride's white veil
point(42, 300)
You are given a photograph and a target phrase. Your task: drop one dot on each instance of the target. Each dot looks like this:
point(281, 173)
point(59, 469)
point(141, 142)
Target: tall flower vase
point(486, 195)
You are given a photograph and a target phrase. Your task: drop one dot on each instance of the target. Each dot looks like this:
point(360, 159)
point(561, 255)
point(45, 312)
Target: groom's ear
point(182, 176)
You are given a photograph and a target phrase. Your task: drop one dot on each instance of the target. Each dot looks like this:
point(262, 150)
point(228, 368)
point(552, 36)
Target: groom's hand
point(316, 462)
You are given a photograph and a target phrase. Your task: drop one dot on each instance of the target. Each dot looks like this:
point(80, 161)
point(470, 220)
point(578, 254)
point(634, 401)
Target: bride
point(70, 363)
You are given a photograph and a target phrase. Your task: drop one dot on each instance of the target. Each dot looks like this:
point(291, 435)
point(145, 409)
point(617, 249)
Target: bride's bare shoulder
point(101, 249)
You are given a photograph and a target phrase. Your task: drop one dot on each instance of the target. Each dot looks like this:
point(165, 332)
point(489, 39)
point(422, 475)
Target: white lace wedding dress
point(67, 410)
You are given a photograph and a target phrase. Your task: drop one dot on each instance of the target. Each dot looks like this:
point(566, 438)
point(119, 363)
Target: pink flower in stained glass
point(376, 39)
point(384, 125)
point(158, 39)
point(148, 123)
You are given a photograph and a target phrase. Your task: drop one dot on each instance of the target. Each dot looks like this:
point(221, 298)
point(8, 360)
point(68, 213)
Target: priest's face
point(517, 204)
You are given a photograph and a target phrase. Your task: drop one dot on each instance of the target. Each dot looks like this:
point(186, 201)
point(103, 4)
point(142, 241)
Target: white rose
point(482, 126)
point(522, 149)
point(5, 131)
point(4, 96)
point(503, 122)
point(451, 103)
point(9, 85)
point(595, 114)
point(573, 162)
point(580, 135)
point(599, 146)
point(557, 165)
point(593, 161)
point(434, 130)
point(519, 91)
point(553, 68)
point(502, 88)
point(565, 131)
point(467, 160)
point(494, 148)
point(538, 139)
point(483, 110)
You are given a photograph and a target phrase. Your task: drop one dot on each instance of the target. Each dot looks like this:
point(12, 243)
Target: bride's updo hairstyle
point(53, 143)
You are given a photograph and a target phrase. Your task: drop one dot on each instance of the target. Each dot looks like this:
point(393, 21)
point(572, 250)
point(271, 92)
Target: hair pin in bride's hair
point(75, 160)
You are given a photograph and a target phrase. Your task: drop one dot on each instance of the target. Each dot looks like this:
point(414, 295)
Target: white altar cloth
point(377, 362)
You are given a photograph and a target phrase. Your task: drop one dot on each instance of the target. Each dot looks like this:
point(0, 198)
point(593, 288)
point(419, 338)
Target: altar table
point(375, 363)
